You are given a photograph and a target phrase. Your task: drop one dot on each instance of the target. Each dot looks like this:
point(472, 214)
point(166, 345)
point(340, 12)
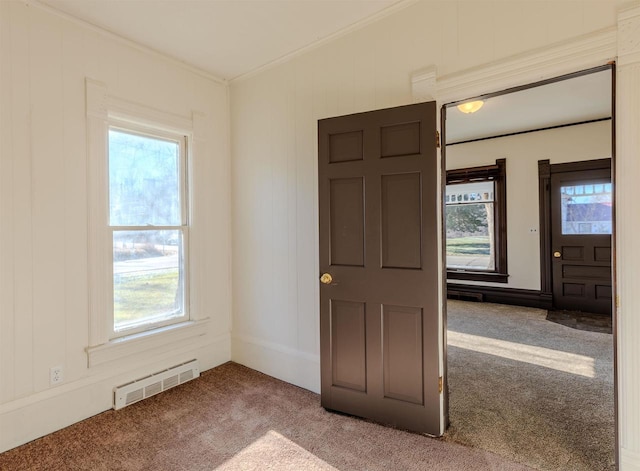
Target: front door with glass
point(581, 227)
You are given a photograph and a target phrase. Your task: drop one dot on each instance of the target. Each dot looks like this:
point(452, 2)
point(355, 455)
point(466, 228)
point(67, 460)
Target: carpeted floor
point(522, 389)
point(528, 389)
point(233, 418)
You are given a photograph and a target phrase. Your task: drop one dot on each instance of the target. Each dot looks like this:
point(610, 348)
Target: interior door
point(379, 315)
point(581, 225)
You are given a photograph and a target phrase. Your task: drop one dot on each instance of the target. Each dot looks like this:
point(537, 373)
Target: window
point(586, 209)
point(140, 230)
point(475, 220)
point(148, 227)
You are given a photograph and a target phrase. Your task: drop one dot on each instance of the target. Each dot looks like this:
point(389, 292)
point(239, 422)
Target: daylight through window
point(148, 223)
point(469, 219)
point(586, 209)
point(475, 221)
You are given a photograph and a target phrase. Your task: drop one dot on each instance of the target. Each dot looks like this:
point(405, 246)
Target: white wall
point(568, 144)
point(44, 206)
point(274, 170)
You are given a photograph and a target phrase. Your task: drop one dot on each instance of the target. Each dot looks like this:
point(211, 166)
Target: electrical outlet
point(56, 375)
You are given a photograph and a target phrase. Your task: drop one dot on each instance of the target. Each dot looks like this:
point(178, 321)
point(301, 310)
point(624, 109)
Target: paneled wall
point(43, 185)
point(44, 207)
point(568, 144)
point(274, 169)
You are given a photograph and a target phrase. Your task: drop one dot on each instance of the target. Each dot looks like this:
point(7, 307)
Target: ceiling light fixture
point(470, 106)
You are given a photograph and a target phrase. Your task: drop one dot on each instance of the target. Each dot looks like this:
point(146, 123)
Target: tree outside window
point(475, 222)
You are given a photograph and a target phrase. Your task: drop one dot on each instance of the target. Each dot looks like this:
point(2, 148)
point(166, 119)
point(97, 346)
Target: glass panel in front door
point(586, 208)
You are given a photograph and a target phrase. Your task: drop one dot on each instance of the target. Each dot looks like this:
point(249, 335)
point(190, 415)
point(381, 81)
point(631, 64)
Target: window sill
point(134, 344)
point(477, 276)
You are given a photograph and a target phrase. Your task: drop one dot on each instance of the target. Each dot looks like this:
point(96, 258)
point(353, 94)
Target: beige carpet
point(235, 419)
point(529, 389)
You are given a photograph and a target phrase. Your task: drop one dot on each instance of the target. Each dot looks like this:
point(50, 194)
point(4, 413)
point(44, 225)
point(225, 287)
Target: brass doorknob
point(557, 254)
point(326, 279)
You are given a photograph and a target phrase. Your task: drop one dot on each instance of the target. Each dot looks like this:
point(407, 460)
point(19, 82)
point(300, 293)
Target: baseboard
point(35, 416)
point(629, 460)
point(279, 361)
point(502, 295)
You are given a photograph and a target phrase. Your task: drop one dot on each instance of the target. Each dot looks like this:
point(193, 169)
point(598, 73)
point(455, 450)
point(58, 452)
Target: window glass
point(148, 227)
point(586, 209)
point(144, 183)
point(148, 285)
point(476, 191)
point(469, 217)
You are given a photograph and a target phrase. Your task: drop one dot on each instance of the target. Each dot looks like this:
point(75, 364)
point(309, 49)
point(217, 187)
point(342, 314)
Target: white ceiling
point(226, 38)
point(575, 100)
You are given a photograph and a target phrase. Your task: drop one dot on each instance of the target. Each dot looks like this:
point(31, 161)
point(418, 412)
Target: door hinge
point(617, 301)
point(437, 139)
point(440, 385)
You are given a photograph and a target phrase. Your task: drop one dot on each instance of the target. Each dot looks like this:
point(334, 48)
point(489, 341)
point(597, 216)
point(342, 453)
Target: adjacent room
point(232, 230)
point(530, 344)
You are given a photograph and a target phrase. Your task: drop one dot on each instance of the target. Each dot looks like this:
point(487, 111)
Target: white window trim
point(101, 111)
point(176, 335)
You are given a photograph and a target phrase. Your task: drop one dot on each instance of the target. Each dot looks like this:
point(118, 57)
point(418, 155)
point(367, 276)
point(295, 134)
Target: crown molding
point(629, 36)
point(396, 7)
point(125, 41)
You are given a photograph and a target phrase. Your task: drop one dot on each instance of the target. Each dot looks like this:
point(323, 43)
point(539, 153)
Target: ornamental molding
point(629, 36)
point(423, 84)
point(588, 51)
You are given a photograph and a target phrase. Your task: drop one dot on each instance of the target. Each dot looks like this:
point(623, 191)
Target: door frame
point(617, 43)
point(545, 170)
point(500, 74)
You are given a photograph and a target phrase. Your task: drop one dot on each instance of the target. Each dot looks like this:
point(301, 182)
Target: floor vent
point(156, 383)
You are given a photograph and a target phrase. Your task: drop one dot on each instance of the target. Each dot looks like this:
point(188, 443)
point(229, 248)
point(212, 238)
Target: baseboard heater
point(156, 383)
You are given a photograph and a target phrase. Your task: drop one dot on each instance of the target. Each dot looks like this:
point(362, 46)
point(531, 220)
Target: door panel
point(573, 253)
point(401, 221)
point(581, 206)
point(402, 353)
point(348, 346)
point(345, 147)
point(347, 221)
point(602, 254)
point(379, 314)
point(400, 140)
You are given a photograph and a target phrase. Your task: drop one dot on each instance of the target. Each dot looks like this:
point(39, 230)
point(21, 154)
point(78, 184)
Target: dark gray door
point(379, 316)
point(581, 225)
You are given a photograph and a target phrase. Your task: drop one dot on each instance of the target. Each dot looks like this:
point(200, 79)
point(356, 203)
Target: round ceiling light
point(470, 106)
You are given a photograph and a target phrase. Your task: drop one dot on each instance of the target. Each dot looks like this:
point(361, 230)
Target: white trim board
point(285, 363)
point(583, 53)
point(629, 460)
point(189, 333)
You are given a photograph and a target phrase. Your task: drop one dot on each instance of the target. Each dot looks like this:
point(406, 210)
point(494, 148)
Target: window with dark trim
point(476, 223)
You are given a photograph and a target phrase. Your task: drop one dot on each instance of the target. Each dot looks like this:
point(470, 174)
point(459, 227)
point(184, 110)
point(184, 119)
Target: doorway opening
point(522, 384)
